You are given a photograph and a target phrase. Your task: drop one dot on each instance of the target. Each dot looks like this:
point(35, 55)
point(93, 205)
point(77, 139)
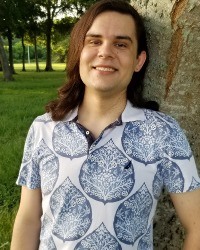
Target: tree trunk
point(36, 54)
point(5, 65)
point(49, 26)
point(10, 38)
point(23, 54)
point(173, 79)
point(48, 55)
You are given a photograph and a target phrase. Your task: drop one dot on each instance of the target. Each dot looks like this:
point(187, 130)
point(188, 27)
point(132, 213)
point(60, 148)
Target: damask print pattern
point(47, 245)
point(72, 212)
point(46, 240)
point(68, 141)
point(148, 141)
point(158, 184)
point(145, 242)
point(100, 239)
point(194, 185)
point(49, 167)
point(131, 219)
point(107, 175)
point(28, 148)
point(177, 146)
point(29, 176)
point(168, 173)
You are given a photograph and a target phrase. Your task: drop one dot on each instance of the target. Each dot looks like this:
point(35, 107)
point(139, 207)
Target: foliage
point(17, 52)
point(59, 50)
point(48, 21)
point(9, 13)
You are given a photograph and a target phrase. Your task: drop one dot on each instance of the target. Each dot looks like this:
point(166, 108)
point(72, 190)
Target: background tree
point(9, 14)
point(4, 62)
point(52, 9)
point(34, 32)
point(173, 80)
point(27, 22)
point(60, 35)
point(33, 26)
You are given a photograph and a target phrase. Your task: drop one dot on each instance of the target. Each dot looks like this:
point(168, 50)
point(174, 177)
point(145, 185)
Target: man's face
point(109, 56)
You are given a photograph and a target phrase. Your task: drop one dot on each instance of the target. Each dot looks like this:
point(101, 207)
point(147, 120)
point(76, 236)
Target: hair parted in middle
point(72, 93)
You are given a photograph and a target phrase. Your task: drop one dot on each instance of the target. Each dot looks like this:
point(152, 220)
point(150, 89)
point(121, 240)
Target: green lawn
point(20, 102)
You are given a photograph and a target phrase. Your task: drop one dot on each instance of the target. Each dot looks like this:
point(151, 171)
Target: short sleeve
point(29, 171)
point(177, 168)
point(179, 176)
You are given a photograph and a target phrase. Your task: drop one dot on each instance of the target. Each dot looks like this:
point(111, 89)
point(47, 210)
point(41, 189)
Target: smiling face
point(109, 56)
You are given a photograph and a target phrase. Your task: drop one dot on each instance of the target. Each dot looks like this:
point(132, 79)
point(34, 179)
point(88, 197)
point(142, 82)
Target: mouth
point(105, 69)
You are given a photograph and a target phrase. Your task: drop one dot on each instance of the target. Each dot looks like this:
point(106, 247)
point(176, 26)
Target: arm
point(27, 223)
point(187, 206)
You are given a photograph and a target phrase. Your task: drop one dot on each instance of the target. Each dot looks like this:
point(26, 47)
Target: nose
point(106, 51)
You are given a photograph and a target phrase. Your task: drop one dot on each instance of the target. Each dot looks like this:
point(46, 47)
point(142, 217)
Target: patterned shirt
point(102, 194)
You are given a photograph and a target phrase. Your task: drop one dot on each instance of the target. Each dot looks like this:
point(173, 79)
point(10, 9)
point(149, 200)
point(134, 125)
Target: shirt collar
point(72, 115)
point(129, 114)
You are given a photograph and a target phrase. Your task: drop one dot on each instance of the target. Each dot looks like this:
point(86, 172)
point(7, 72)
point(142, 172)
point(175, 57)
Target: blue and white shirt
point(102, 194)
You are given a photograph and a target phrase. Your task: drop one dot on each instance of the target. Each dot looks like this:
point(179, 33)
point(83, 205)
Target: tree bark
point(10, 47)
point(36, 54)
point(48, 49)
point(173, 79)
point(49, 26)
point(5, 65)
point(23, 54)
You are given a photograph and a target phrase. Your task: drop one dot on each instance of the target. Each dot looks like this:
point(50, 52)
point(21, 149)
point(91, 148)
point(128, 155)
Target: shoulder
point(155, 136)
point(156, 116)
point(44, 118)
point(163, 124)
point(42, 126)
point(147, 117)
point(159, 128)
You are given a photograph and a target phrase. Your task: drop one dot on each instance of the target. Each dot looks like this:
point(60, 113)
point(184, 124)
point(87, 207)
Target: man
point(95, 164)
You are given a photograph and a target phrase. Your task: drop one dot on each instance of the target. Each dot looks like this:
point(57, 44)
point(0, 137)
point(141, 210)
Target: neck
point(97, 112)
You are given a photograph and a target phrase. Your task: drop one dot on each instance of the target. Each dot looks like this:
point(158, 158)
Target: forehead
point(115, 23)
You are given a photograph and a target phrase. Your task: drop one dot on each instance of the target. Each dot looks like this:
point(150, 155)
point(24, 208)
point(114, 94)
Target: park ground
point(20, 102)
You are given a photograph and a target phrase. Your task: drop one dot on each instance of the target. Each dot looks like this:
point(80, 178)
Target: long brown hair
point(71, 94)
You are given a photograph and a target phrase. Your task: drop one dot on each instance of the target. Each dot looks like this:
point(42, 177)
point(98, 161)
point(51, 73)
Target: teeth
point(105, 69)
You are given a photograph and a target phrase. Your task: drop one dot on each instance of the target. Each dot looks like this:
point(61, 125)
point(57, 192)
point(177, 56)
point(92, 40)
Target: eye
point(121, 45)
point(94, 42)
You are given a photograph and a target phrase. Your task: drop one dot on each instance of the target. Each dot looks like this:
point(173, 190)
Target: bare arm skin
point(27, 223)
point(187, 206)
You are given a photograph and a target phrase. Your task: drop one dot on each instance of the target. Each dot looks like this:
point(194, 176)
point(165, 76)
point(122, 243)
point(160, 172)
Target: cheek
point(83, 60)
point(83, 65)
point(82, 57)
point(85, 56)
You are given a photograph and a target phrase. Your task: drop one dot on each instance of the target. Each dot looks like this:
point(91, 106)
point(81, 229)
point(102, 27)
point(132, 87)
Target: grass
point(20, 102)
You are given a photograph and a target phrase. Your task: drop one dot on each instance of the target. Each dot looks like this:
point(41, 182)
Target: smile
point(105, 69)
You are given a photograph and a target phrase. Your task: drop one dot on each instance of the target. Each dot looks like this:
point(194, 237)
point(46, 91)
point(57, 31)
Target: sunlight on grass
point(32, 67)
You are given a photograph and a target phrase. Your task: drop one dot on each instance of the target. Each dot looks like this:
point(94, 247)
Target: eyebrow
point(121, 37)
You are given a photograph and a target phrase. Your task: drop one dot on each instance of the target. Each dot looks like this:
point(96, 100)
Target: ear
point(140, 61)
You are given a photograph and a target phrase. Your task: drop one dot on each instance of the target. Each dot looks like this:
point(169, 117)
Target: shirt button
point(87, 132)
